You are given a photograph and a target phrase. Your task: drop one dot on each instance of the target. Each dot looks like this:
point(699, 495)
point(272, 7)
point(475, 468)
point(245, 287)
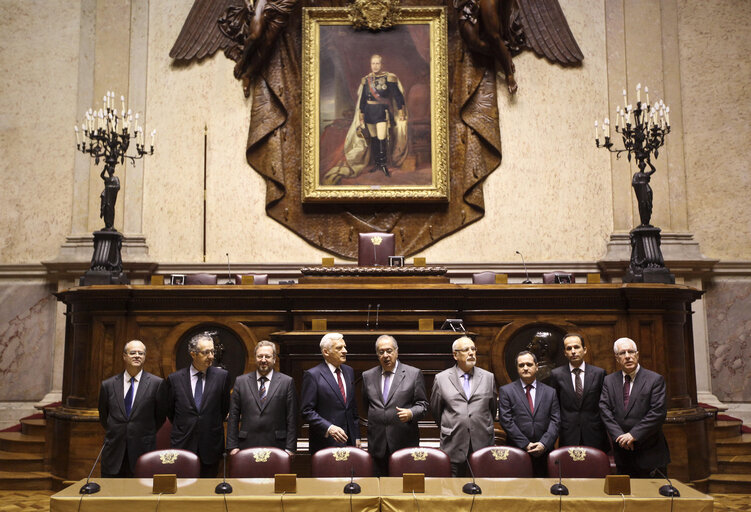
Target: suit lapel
point(252, 384)
point(636, 388)
point(119, 387)
point(185, 378)
point(273, 387)
point(348, 374)
point(618, 382)
point(143, 387)
point(521, 395)
point(454, 379)
point(395, 381)
point(329, 377)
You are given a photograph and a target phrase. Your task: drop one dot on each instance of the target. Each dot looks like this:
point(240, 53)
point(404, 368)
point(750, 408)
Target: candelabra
point(106, 135)
point(643, 130)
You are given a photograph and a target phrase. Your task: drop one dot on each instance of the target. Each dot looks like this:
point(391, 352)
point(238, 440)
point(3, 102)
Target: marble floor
point(35, 501)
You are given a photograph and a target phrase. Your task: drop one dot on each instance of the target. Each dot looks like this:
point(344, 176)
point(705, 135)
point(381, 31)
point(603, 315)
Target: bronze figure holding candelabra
point(106, 135)
point(643, 130)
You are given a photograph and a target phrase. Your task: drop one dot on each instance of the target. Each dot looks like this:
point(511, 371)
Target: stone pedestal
point(106, 262)
point(647, 264)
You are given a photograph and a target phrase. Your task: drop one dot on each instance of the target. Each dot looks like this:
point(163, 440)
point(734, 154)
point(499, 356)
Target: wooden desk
point(533, 495)
point(249, 494)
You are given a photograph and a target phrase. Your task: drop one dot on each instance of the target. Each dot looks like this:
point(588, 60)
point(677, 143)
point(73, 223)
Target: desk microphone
point(352, 487)
point(559, 489)
point(92, 487)
point(526, 281)
point(367, 325)
point(224, 487)
point(471, 487)
point(230, 280)
point(668, 489)
point(378, 308)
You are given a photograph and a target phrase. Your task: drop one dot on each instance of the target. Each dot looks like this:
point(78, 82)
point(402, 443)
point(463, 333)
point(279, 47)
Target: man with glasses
point(633, 407)
point(197, 401)
point(394, 394)
point(529, 413)
point(463, 405)
point(263, 408)
point(129, 413)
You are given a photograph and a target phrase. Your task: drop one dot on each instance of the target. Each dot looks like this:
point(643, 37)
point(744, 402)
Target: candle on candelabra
point(638, 93)
point(153, 136)
point(625, 98)
point(667, 116)
point(646, 93)
point(617, 116)
point(122, 104)
point(597, 132)
point(606, 128)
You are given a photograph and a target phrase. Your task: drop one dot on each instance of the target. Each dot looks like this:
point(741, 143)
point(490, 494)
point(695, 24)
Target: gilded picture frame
point(349, 153)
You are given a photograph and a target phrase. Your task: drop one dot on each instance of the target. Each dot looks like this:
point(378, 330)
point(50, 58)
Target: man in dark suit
point(394, 394)
point(463, 405)
point(328, 398)
point(263, 407)
point(529, 413)
point(578, 386)
point(197, 401)
point(633, 407)
point(129, 413)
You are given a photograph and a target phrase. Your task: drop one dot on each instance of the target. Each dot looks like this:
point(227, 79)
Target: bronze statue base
point(647, 264)
point(106, 262)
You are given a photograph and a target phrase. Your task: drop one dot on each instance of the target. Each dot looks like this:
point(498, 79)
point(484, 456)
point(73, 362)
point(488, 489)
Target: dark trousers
point(209, 470)
point(381, 465)
point(125, 470)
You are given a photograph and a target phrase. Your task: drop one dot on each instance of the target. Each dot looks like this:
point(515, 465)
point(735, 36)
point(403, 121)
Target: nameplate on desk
point(418, 262)
point(157, 280)
point(327, 262)
point(164, 484)
point(425, 324)
point(318, 324)
point(413, 482)
point(285, 483)
point(248, 280)
point(501, 279)
point(617, 484)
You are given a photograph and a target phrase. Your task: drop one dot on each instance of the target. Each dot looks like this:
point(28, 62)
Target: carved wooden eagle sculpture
point(247, 32)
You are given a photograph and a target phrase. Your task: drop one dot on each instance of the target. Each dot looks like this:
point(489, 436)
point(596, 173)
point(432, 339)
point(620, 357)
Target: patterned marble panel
point(27, 332)
point(729, 330)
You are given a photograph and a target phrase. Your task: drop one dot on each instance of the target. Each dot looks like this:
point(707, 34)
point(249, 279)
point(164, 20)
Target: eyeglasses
point(465, 350)
point(208, 351)
point(624, 353)
point(388, 351)
point(136, 353)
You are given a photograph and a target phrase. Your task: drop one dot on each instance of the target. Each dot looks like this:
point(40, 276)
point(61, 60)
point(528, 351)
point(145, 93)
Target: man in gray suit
point(529, 413)
point(633, 407)
point(263, 407)
point(463, 405)
point(129, 413)
point(394, 394)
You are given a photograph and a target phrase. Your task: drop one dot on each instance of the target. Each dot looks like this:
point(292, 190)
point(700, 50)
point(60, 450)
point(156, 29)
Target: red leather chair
point(193, 279)
point(483, 278)
point(375, 249)
point(182, 463)
point(340, 462)
point(501, 462)
point(429, 461)
point(257, 278)
point(261, 462)
point(579, 462)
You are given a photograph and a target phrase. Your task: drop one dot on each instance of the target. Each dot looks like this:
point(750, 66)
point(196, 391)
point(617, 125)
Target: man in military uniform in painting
point(381, 103)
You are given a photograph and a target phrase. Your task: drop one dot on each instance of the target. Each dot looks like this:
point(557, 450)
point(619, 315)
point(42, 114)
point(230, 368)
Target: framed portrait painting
point(375, 108)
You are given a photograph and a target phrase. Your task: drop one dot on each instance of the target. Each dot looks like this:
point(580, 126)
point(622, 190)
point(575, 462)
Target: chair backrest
point(579, 462)
point(257, 278)
point(341, 462)
point(429, 461)
point(182, 463)
point(558, 278)
point(483, 278)
point(261, 462)
point(501, 462)
point(200, 278)
point(375, 249)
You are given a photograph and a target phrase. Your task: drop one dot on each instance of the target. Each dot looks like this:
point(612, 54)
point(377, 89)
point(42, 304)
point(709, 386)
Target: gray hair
point(386, 337)
point(265, 343)
point(330, 338)
point(205, 335)
point(125, 348)
point(524, 353)
point(457, 340)
point(624, 340)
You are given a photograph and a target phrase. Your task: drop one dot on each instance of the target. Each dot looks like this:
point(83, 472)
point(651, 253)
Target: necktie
point(626, 390)
point(199, 390)
point(529, 398)
point(466, 384)
point(578, 388)
point(386, 385)
point(262, 389)
point(129, 397)
point(341, 383)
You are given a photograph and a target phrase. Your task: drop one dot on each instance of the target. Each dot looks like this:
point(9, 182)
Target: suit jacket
point(643, 418)
point(386, 433)
point(201, 432)
point(463, 420)
point(137, 432)
point(522, 426)
point(323, 406)
point(272, 422)
point(580, 419)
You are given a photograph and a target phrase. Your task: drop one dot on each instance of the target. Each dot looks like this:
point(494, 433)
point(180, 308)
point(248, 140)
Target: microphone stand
point(352, 487)
point(224, 487)
point(378, 309)
point(230, 280)
point(471, 487)
point(526, 281)
point(367, 324)
point(668, 490)
point(92, 487)
point(559, 489)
